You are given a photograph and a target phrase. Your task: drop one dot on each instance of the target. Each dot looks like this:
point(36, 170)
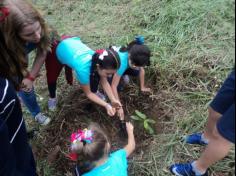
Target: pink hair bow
point(85, 136)
point(4, 12)
point(102, 53)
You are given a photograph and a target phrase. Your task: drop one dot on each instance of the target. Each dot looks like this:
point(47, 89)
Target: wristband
point(30, 77)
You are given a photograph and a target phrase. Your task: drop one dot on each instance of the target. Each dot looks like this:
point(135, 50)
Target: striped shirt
point(16, 157)
point(10, 111)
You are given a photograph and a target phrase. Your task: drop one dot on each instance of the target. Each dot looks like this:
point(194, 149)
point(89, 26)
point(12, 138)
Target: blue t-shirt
point(124, 62)
point(78, 56)
point(117, 165)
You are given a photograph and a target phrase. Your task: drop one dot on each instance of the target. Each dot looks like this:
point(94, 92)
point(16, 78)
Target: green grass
point(193, 44)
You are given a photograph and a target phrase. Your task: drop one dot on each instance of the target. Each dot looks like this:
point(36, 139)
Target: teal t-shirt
point(74, 53)
point(117, 165)
point(124, 63)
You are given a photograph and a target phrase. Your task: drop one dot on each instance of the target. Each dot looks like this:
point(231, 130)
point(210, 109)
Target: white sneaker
point(52, 104)
point(42, 119)
point(101, 95)
point(126, 79)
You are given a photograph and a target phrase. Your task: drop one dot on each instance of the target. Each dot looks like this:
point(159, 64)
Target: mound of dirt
point(76, 112)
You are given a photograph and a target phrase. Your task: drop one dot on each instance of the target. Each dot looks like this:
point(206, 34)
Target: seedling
point(145, 121)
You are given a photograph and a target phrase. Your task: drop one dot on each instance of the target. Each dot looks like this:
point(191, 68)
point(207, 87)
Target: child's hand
point(116, 104)
point(110, 110)
point(27, 85)
point(146, 90)
point(130, 128)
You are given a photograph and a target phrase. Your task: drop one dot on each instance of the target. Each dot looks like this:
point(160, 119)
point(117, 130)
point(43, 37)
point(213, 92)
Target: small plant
point(145, 121)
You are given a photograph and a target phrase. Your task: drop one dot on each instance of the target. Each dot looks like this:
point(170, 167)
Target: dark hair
point(140, 54)
point(10, 68)
point(111, 61)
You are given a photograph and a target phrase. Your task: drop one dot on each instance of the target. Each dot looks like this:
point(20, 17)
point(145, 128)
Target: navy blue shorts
point(224, 103)
point(132, 72)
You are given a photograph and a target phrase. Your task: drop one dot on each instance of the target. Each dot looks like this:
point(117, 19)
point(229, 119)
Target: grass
point(193, 45)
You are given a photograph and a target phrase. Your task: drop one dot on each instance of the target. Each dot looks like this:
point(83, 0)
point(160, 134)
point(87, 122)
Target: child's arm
point(131, 140)
point(37, 65)
point(142, 81)
point(93, 97)
point(114, 85)
point(38, 62)
point(107, 88)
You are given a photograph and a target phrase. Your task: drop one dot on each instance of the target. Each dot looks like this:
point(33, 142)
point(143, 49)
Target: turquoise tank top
point(124, 62)
point(117, 165)
point(75, 54)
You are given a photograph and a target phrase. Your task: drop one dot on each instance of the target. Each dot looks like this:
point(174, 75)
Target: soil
point(76, 112)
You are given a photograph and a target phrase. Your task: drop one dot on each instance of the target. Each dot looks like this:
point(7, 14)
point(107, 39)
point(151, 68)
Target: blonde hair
point(22, 13)
point(97, 149)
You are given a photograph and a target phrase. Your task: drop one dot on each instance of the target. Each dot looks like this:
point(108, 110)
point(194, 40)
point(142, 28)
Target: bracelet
point(31, 78)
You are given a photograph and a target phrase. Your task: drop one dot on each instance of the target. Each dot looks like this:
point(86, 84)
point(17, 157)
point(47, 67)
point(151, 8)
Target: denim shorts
point(224, 103)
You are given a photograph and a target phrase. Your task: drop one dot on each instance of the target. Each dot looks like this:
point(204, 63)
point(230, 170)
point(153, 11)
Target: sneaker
point(123, 131)
point(126, 79)
point(101, 95)
point(195, 139)
point(184, 170)
point(42, 119)
point(52, 104)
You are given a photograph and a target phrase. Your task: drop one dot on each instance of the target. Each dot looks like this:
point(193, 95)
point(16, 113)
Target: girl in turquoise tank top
point(91, 68)
point(92, 149)
point(133, 59)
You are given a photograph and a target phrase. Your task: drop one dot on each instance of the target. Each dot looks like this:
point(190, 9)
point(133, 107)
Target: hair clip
point(104, 54)
point(82, 135)
point(85, 136)
point(140, 40)
point(4, 12)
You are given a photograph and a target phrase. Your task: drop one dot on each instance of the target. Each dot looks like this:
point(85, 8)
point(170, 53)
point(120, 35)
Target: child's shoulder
point(120, 152)
point(119, 156)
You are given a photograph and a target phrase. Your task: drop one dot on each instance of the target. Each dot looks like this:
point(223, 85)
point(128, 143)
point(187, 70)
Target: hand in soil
point(146, 90)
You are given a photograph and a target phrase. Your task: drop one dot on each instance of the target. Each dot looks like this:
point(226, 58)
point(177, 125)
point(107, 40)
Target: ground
point(193, 51)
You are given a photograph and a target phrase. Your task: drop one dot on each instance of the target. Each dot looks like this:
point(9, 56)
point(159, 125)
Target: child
point(16, 157)
point(25, 30)
point(91, 68)
point(133, 58)
point(93, 145)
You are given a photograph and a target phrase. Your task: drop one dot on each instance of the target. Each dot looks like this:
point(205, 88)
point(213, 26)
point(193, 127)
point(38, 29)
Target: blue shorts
point(224, 103)
point(132, 72)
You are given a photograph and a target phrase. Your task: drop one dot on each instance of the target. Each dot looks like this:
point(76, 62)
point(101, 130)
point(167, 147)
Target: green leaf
point(141, 115)
point(146, 125)
point(150, 130)
point(151, 121)
point(135, 118)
